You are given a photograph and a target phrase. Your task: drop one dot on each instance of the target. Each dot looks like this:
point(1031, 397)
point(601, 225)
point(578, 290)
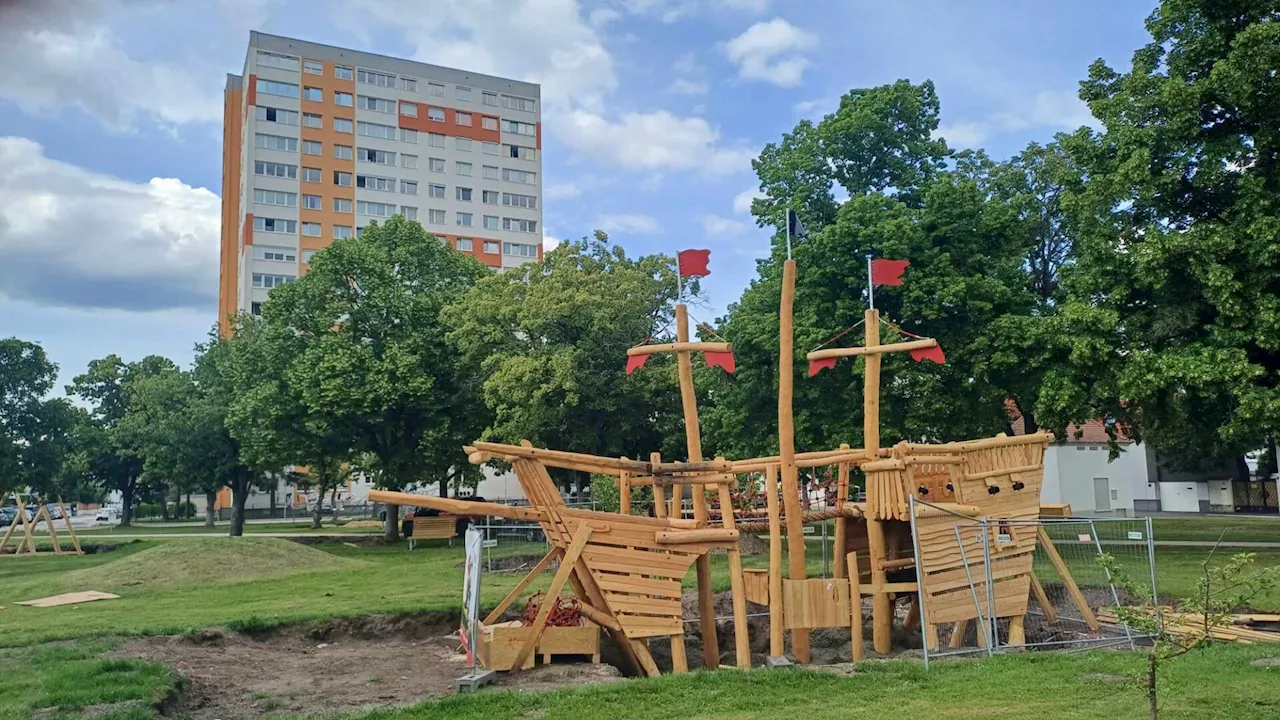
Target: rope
point(840, 334)
point(707, 327)
point(904, 332)
point(821, 515)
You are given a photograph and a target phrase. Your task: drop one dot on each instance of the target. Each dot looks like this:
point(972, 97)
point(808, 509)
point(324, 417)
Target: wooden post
point(4, 541)
point(855, 606)
point(659, 491)
point(624, 492)
point(693, 441)
point(787, 446)
point(777, 646)
point(741, 633)
point(1068, 580)
point(957, 634)
point(66, 516)
point(1017, 634)
point(679, 663)
point(553, 591)
point(842, 527)
point(43, 512)
point(28, 540)
point(881, 604)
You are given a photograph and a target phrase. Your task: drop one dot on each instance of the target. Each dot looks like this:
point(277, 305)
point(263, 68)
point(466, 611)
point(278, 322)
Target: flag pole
point(788, 234)
point(679, 289)
point(871, 286)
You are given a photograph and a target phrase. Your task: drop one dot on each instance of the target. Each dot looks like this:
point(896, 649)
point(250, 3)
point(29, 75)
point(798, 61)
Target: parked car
point(106, 514)
point(55, 512)
point(7, 515)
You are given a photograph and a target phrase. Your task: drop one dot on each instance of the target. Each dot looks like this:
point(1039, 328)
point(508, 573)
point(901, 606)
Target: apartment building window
point(342, 72)
point(464, 169)
point(521, 152)
point(408, 187)
point(275, 197)
point(520, 201)
point(275, 142)
point(312, 147)
point(462, 118)
point(255, 308)
point(341, 232)
point(489, 197)
point(381, 157)
point(519, 176)
point(408, 135)
point(491, 222)
point(275, 115)
point(409, 162)
point(435, 140)
point(377, 104)
point(312, 202)
point(342, 152)
point(464, 219)
point(491, 246)
point(435, 165)
point(462, 194)
point(271, 169)
point(271, 87)
point(520, 250)
point(368, 129)
point(279, 254)
point(435, 191)
point(342, 205)
point(277, 225)
point(464, 244)
point(342, 178)
point(264, 280)
point(370, 77)
point(313, 94)
point(490, 98)
point(284, 62)
point(364, 207)
point(488, 123)
point(511, 102)
point(463, 144)
point(489, 148)
point(490, 172)
point(312, 120)
point(409, 212)
point(311, 229)
point(435, 89)
point(436, 114)
point(519, 128)
point(311, 175)
point(313, 67)
point(375, 182)
point(408, 84)
point(435, 217)
point(342, 125)
point(518, 225)
point(462, 93)
point(408, 109)
point(344, 99)
point(307, 255)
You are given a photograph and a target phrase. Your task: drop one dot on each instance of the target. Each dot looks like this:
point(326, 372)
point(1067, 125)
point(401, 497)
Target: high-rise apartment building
point(319, 141)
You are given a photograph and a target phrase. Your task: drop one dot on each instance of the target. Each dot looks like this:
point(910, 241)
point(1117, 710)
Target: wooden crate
point(1055, 510)
point(816, 603)
point(501, 642)
point(756, 584)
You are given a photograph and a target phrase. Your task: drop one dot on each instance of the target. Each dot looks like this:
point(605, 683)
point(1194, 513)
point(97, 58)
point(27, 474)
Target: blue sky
point(110, 123)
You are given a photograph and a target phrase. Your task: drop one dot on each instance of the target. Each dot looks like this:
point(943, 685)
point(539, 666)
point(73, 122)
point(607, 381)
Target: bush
point(605, 495)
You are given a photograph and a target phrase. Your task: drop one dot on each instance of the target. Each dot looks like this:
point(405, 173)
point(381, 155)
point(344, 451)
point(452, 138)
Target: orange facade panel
point(337, 202)
point(246, 233)
point(453, 123)
point(251, 91)
point(229, 251)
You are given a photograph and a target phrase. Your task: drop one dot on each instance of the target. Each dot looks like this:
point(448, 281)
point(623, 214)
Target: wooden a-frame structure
point(26, 543)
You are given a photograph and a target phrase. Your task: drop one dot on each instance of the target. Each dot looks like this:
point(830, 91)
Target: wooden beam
point(458, 507)
point(1042, 599)
point(1068, 580)
point(689, 537)
point(514, 595)
point(624, 492)
point(776, 621)
point(737, 586)
point(549, 600)
point(787, 445)
point(66, 516)
point(855, 606)
point(842, 523)
point(683, 346)
point(872, 350)
point(599, 617)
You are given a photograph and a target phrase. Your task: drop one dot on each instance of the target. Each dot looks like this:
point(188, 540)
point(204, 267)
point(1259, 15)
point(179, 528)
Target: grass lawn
point(1209, 529)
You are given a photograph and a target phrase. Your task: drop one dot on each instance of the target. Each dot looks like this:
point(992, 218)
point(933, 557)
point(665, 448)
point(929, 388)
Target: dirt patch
point(331, 667)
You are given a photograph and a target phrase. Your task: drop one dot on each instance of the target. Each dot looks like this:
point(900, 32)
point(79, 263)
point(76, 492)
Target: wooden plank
point(816, 603)
point(679, 663)
point(580, 538)
point(73, 598)
point(642, 605)
point(638, 585)
point(855, 607)
point(512, 596)
point(641, 627)
point(776, 629)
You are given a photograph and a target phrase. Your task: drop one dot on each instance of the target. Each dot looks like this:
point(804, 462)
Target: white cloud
point(752, 6)
point(716, 225)
point(653, 141)
point(687, 64)
point(1054, 109)
point(549, 242)
point(965, 134)
point(561, 191)
point(74, 238)
point(742, 201)
point(631, 223)
point(683, 86)
point(771, 52)
point(1063, 109)
point(601, 17)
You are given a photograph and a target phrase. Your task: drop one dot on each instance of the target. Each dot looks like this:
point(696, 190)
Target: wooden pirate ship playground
point(924, 533)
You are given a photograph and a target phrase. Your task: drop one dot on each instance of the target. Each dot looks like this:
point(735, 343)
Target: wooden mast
point(787, 446)
point(882, 607)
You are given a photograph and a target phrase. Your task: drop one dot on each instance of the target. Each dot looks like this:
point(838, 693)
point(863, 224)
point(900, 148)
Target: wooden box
point(501, 642)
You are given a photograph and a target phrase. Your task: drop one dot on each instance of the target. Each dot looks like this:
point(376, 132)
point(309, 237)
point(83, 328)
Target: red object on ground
point(888, 272)
point(817, 366)
point(721, 360)
point(693, 263)
point(635, 362)
point(934, 353)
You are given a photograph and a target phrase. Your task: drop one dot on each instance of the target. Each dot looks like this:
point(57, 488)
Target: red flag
point(934, 353)
point(635, 362)
point(721, 360)
point(817, 366)
point(693, 263)
point(888, 272)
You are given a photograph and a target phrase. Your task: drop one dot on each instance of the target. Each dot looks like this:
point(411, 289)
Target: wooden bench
point(440, 527)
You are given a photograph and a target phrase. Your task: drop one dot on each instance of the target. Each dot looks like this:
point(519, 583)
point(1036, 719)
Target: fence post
point(1093, 530)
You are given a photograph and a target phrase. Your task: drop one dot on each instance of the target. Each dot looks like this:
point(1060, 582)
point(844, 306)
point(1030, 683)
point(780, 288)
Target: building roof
point(1093, 432)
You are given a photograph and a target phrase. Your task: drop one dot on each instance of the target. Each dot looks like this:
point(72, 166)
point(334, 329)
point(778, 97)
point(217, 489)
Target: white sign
point(491, 543)
point(810, 530)
point(1135, 535)
point(1004, 538)
point(471, 592)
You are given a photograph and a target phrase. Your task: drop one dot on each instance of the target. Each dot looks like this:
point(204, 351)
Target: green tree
point(1173, 310)
point(550, 342)
point(105, 387)
point(34, 430)
point(367, 354)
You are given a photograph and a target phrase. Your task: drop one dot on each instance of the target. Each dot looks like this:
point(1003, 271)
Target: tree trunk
point(318, 514)
point(1151, 686)
point(272, 501)
point(210, 499)
point(126, 499)
point(333, 503)
point(186, 506)
point(239, 494)
point(444, 486)
point(391, 527)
